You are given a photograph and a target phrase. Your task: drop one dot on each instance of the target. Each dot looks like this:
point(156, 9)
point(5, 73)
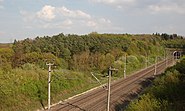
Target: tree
point(66, 54)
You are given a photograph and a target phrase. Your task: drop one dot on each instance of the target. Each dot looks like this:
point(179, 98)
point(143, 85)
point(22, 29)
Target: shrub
point(166, 94)
point(147, 102)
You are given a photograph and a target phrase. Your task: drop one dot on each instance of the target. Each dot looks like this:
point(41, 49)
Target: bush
point(180, 67)
point(166, 94)
point(148, 102)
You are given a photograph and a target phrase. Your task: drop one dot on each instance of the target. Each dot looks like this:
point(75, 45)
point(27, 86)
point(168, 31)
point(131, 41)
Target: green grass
point(25, 89)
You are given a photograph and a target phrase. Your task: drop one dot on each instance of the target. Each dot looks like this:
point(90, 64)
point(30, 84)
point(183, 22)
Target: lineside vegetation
point(23, 70)
point(166, 93)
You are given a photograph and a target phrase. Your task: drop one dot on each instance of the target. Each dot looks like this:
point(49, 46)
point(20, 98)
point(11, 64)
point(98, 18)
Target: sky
point(20, 19)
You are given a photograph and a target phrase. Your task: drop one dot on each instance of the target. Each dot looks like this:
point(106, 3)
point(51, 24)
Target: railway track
point(122, 91)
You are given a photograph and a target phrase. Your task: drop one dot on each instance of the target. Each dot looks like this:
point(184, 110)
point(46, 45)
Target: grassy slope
point(26, 88)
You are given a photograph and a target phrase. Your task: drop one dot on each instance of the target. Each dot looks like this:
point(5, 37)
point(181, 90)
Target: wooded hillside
point(23, 70)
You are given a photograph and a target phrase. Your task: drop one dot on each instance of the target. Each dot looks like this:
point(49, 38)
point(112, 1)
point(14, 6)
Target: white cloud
point(1, 5)
point(99, 23)
point(2, 33)
point(72, 13)
point(114, 1)
point(62, 18)
point(141, 6)
point(57, 25)
point(67, 22)
point(91, 23)
point(171, 29)
point(168, 8)
point(117, 3)
point(106, 26)
point(103, 20)
point(27, 16)
point(55, 14)
point(47, 13)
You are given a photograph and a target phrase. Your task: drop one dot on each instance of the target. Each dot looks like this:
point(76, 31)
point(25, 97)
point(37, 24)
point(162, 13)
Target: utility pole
point(174, 57)
point(109, 82)
point(165, 58)
point(166, 61)
point(146, 60)
point(155, 70)
point(125, 66)
point(49, 81)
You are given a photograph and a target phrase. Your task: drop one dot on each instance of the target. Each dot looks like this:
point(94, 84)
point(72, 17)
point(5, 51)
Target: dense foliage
point(23, 70)
point(173, 41)
point(25, 89)
point(86, 52)
point(166, 94)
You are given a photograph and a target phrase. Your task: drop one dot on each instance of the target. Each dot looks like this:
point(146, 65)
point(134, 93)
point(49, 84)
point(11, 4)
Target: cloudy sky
point(21, 19)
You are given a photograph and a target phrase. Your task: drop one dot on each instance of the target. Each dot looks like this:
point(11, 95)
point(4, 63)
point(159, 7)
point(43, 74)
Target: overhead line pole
point(165, 58)
point(125, 66)
point(108, 93)
point(155, 70)
point(147, 60)
point(49, 81)
point(109, 82)
point(174, 57)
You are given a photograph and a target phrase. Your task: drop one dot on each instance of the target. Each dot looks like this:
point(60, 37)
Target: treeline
point(172, 40)
point(166, 36)
point(166, 93)
point(86, 52)
point(177, 43)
